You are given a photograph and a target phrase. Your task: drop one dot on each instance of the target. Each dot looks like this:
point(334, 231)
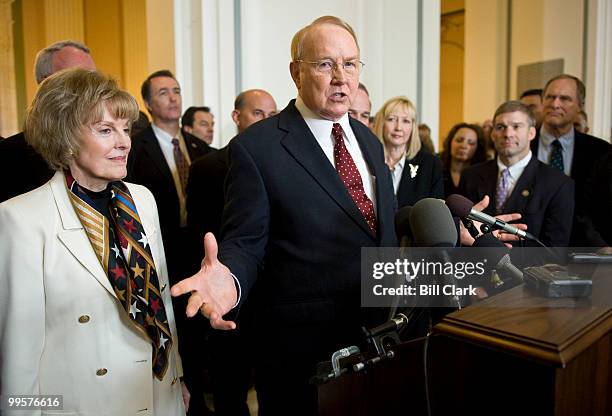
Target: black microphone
point(432, 224)
point(499, 255)
point(464, 208)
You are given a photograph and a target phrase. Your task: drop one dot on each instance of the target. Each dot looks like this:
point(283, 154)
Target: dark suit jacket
point(147, 166)
point(427, 183)
point(587, 150)
point(542, 195)
point(288, 214)
point(22, 168)
point(593, 214)
point(205, 201)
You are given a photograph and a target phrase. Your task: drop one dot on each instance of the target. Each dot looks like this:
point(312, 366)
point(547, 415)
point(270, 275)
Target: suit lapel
point(72, 234)
point(302, 145)
point(523, 189)
point(152, 148)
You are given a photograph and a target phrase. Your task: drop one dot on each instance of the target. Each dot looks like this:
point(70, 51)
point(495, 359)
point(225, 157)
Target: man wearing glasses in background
point(306, 190)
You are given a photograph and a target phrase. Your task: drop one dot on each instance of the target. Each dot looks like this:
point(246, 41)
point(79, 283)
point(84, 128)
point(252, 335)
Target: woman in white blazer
point(85, 306)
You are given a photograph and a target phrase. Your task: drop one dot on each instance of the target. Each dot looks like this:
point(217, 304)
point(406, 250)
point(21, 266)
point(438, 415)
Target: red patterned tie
point(347, 170)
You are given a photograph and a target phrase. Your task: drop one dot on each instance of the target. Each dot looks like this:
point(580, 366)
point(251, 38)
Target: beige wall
point(544, 30)
point(541, 30)
point(485, 58)
point(118, 32)
point(160, 34)
point(452, 48)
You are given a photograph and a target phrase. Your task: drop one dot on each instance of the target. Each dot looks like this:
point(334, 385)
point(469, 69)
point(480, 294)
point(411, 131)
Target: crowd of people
point(105, 211)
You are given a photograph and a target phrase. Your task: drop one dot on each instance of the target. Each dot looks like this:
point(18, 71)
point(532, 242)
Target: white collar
point(319, 126)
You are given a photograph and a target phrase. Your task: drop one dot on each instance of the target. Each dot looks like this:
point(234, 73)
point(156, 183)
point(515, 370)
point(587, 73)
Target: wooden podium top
point(519, 321)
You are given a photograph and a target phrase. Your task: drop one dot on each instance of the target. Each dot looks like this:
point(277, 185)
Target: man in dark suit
point(19, 161)
point(295, 221)
point(517, 182)
point(200, 123)
point(160, 159)
point(231, 362)
point(564, 148)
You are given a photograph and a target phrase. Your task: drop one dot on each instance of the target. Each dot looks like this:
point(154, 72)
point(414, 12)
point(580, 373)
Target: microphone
point(464, 208)
point(499, 255)
point(432, 224)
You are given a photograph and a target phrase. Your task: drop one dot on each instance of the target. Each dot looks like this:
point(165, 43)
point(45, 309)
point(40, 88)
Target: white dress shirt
point(322, 131)
point(396, 173)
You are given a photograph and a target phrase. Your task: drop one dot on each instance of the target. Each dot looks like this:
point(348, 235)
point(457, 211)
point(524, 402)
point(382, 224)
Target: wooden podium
point(518, 353)
point(513, 354)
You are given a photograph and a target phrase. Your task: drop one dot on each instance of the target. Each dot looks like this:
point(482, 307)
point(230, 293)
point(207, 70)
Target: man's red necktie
point(347, 170)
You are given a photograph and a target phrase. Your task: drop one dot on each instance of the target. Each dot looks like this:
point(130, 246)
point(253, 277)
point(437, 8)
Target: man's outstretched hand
point(212, 289)
point(504, 237)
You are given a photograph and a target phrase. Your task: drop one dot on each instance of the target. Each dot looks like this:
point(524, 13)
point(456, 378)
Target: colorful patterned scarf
point(123, 250)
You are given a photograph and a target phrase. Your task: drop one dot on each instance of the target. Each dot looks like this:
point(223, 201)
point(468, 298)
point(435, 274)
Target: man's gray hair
point(44, 58)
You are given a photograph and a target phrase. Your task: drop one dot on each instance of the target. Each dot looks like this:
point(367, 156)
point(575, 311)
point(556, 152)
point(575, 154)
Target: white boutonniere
point(413, 169)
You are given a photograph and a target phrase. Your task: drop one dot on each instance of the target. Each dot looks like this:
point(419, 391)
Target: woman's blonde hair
point(399, 103)
point(66, 103)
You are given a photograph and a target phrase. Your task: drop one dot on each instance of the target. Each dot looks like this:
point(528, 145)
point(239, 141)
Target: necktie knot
point(337, 132)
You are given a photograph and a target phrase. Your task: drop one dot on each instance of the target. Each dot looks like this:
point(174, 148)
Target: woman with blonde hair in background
point(416, 173)
point(85, 306)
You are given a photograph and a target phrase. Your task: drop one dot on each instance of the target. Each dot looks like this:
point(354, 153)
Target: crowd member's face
point(258, 105)
point(327, 95)
point(360, 107)
point(464, 144)
point(397, 127)
point(71, 57)
point(580, 124)
point(165, 100)
point(203, 126)
point(534, 102)
point(511, 136)
point(561, 104)
point(103, 153)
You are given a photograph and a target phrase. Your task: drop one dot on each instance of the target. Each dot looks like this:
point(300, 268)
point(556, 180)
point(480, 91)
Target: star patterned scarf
point(121, 245)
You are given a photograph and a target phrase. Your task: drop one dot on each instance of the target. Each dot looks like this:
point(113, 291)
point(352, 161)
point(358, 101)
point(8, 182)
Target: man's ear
point(532, 133)
point(188, 129)
point(235, 114)
point(294, 69)
point(146, 103)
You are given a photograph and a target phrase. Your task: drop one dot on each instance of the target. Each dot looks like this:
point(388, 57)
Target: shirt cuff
point(238, 289)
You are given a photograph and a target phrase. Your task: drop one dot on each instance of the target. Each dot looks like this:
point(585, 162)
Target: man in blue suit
point(306, 190)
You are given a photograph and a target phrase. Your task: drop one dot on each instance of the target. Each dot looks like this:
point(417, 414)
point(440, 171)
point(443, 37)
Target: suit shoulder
point(594, 142)
point(139, 192)
point(31, 205)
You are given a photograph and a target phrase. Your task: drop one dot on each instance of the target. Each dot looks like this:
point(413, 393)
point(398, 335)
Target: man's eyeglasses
point(327, 66)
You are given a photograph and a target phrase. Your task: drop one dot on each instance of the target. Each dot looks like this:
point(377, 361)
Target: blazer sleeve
point(246, 218)
point(22, 303)
point(557, 225)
